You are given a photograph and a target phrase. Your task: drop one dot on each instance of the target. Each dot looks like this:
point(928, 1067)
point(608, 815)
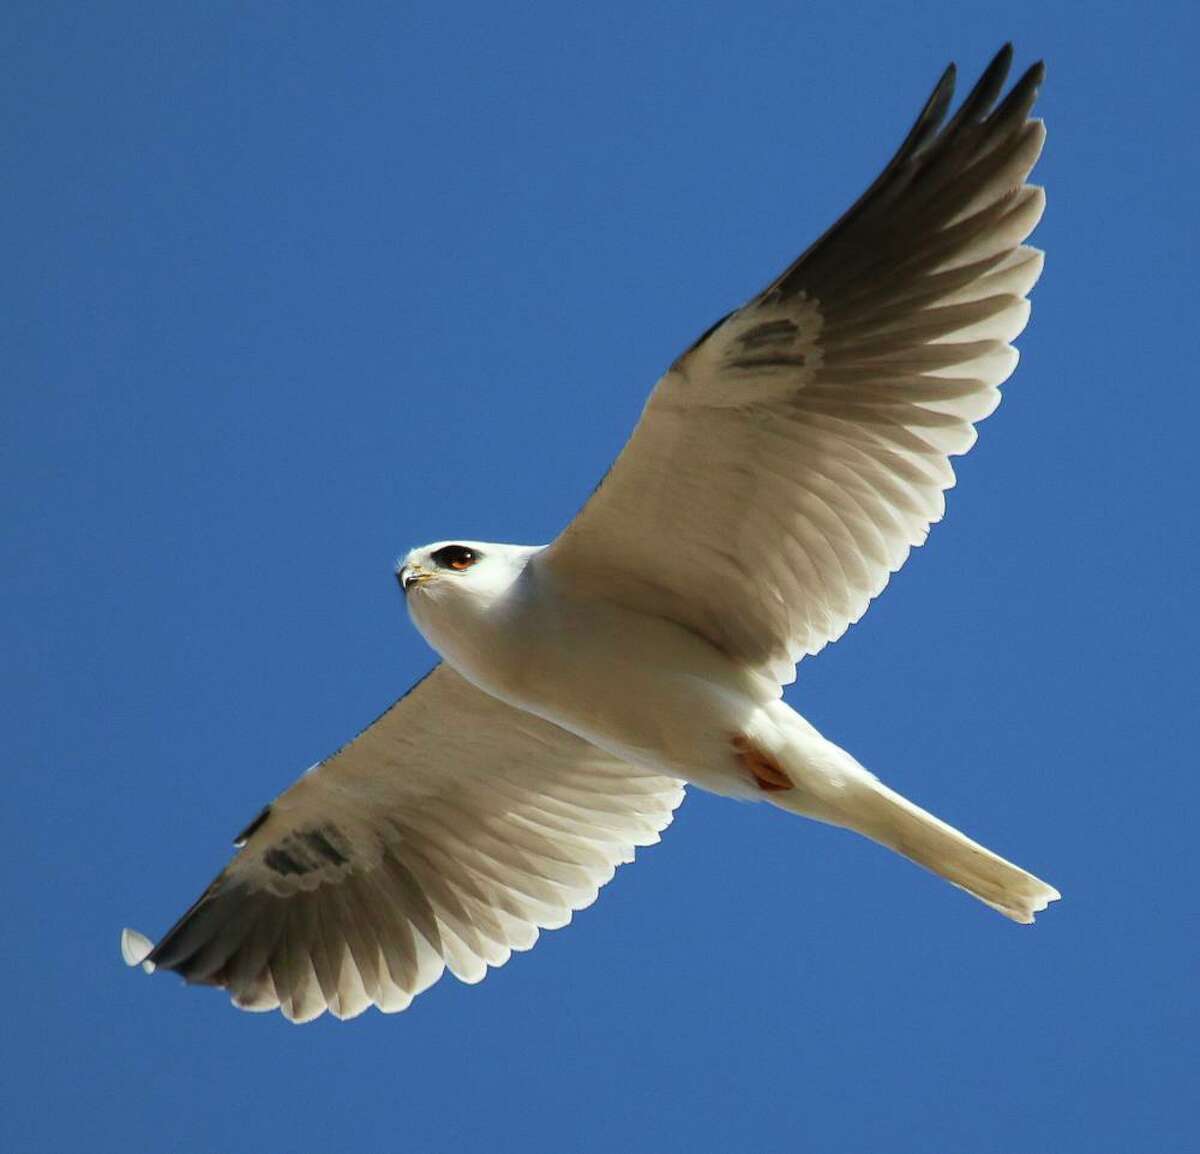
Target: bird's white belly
point(642, 688)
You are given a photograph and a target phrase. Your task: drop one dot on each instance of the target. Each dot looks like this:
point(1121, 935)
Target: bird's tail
point(829, 785)
point(894, 821)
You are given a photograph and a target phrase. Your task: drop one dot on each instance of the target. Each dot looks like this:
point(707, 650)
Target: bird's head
point(450, 575)
point(458, 594)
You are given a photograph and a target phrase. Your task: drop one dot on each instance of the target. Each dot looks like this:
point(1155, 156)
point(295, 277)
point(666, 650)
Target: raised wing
point(444, 836)
point(789, 460)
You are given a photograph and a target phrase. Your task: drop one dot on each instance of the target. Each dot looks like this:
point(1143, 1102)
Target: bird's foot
point(764, 769)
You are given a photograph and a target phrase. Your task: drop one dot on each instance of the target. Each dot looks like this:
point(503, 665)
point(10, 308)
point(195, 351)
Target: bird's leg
point(764, 769)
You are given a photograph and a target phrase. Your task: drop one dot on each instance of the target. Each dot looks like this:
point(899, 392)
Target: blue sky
point(288, 289)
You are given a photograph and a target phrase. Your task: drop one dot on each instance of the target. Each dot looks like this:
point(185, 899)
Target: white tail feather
point(828, 784)
point(832, 787)
point(884, 816)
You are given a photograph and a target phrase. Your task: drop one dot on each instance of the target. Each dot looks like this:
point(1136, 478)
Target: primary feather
point(788, 461)
point(442, 837)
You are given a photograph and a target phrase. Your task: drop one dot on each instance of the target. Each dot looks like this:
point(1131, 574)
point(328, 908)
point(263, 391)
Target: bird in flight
point(780, 473)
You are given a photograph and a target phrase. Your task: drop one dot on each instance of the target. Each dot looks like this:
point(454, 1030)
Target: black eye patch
point(457, 557)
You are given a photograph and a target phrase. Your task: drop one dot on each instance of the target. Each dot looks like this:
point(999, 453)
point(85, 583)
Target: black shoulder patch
point(320, 842)
point(253, 827)
point(284, 863)
point(307, 850)
point(777, 332)
point(708, 332)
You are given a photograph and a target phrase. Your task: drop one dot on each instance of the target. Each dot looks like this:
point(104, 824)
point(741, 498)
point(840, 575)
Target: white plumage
point(442, 837)
point(782, 470)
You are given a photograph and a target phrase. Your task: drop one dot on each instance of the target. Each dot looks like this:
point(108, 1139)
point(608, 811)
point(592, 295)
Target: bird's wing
point(788, 461)
point(444, 836)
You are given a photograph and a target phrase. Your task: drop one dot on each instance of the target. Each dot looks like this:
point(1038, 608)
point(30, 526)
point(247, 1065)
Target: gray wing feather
point(792, 457)
point(443, 837)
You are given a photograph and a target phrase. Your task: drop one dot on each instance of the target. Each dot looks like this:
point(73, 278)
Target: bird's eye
point(457, 557)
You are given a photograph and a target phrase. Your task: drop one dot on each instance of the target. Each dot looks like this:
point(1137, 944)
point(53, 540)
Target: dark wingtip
point(930, 118)
point(1034, 76)
point(943, 93)
point(988, 87)
point(1023, 93)
point(1000, 63)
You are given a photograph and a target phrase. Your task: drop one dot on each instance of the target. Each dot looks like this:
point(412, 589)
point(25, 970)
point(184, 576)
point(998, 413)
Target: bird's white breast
point(642, 687)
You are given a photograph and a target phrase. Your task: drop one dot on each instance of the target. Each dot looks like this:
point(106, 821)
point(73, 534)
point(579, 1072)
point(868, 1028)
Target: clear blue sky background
point(289, 288)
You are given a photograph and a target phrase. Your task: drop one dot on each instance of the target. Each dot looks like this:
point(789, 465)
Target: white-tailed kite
point(781, 471)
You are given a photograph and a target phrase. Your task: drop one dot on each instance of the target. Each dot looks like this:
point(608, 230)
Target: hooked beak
point(411, 575)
